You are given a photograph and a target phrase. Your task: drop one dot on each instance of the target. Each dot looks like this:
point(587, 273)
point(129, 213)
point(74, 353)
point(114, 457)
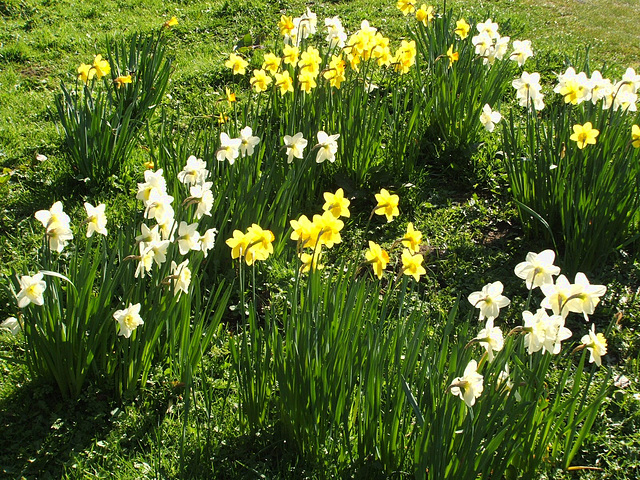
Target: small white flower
point(327, 147)
point(229, 148)
point(129, 319)
point(11, 325)
point(470, 385)
point(96, 219)
point(489, 118)
point(181, 277)
point(247, 141)
point(489, 300)
point(295, 146)
point(194, 172)
point(31, 290)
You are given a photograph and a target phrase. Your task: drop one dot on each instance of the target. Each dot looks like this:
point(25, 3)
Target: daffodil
point(310, 261)
point(159, 207)
point(201, 196)
point(491, 338)
point(425, 14)
point(529, 90)
point(453, 56)
point(537, 269)
point(412, 239)
point(405, 56)
point(601, 89)
point(336, 203)
point(86, 72)
point(462, 29)
point(230, 96)
point(188, 237)
point(194, 172)
point(260, 80)
point(303, 232)
point(295, 146)
point(406, 6)
point(271, 62)
point(260, 244)
point(153, 181)
point(488, 27)
point(470, 385)
point(290, 54)
point(31, 290)
point(307, 82)
point(238, 244)
point(229, 148)
point(122, 80)
point(336, 36)
point(57, 225)
point(96, 219)
point(172, 22)
point(11, 325)
point(377, 258)
point(521, 51)
point(635, 136)
point(327, 147)
point(489, 300)
point(328, 229)
point(584, 135)
point(387, 204)
point(285, 25)
point(129, 319)
point(101, 66)
point(596, 344)
point(574, 87)
point(336, 71)
point(544, 332)
point(208, 240)
point(237, 64)
point(248, 141)
point(412, 264)
point(181, 276)
point(489, 118)
point(284, 82)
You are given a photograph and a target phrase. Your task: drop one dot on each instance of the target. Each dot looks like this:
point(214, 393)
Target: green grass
point(473, 232)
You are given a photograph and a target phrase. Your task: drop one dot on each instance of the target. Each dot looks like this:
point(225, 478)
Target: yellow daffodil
point(237, 64)
point(425, 14)
point(285, 25)
point(271, 62)
point(387, 204)
point(222, 118)
point(328, 228)
point(303, 231)
point(335, 72)
point(149, 165)
point(462, 29)
point(377, 258)
point(412, 239)
point(635, 136)
point(584, 135)
point(101, 66)
point(231, 97)
point(406, 6)
point(238, 244)
point(290, 54)
point(307, 82)
point(172, 22)
point(310, 261)
point(336, 204)
point(453, 56)
point(260, 80)
point(122, 80)
point(405, 56)
point(309, 62)
point(260, 244)
point(412, 264)
point(86, 72)
point(285, 82)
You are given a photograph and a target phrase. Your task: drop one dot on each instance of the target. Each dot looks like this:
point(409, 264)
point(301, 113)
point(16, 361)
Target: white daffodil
point(188, 237)
point(229, 148)
point(327, 147)
point(129, 319)
point(491, 339)
point(202, 196)
point(96, 219)
point(596, 344)
point(489, 118)
point(153, 181)
point(57, 225)
point(148, 234)
point(489, 27)
point(159, 207)
point(295, 146)
point(537, 269)
point(181, 277)
point(521, 51)
point(529, 90)
point(11, 325)
point(145, 259)
point(601, 89)
point(336, 35)
point(208, 240)
point(544, 332)
point(248, 141)
point(31, 290)
point(470, 385)
point(489, 300)
point(194, 172)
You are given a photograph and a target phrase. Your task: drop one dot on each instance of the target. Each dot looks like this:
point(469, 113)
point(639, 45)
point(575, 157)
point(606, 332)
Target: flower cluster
point(255, 244)
point(232, 148)
point(98, 69)
point(544, 331)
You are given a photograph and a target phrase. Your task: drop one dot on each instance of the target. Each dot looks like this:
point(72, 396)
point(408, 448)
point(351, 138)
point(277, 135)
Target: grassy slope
point(42, 43)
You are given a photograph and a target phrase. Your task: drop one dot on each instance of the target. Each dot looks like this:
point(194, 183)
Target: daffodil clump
point(545, 330)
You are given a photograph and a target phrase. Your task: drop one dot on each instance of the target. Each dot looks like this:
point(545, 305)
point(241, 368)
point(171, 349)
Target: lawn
point(245, 367)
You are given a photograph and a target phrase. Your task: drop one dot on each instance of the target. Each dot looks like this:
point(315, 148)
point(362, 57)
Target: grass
point(474, 235)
